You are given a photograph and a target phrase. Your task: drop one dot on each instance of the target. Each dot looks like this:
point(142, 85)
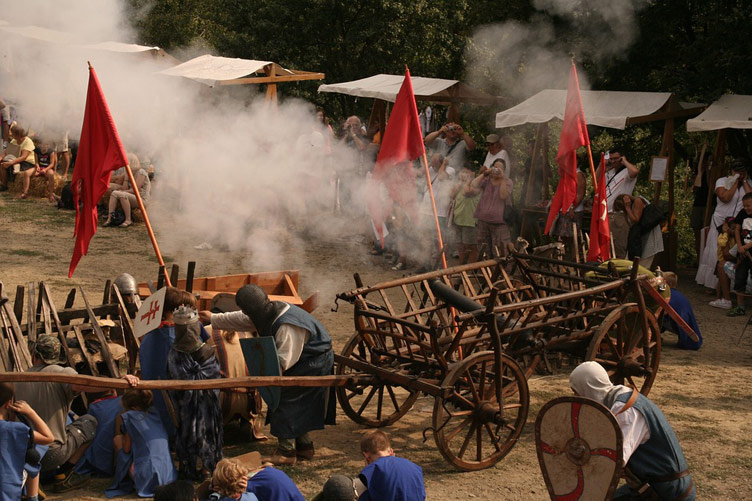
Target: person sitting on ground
point(14, 441)
point(46, 165)
point(726, 235)
point(200, 423)
point(127, 197)
point(682, 306)
point(743, 238)
point(179, 490)
point(235, 481)
point(52, 402)
point(651, 450)
point(304, 348)
point(387, 476)
point(155, 347)
point(495, 189)
point(99, 458)
point(141, 446)
point(26, 160)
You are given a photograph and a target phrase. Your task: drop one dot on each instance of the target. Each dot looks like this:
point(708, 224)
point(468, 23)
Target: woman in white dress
point(730, 191)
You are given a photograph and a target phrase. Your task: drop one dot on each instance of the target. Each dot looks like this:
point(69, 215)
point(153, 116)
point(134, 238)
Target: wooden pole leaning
point(592, 167)
point(435, 212)
point(146, 221)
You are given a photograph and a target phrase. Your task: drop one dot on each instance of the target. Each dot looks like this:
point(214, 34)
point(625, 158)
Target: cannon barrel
point(452, 297)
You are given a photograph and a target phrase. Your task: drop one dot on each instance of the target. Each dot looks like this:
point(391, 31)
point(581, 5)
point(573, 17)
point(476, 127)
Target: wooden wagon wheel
point(377, 404)
point(618, 347)
point(470, 429)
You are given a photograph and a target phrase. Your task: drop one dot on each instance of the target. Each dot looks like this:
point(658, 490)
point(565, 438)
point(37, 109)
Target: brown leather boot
point(304, 452)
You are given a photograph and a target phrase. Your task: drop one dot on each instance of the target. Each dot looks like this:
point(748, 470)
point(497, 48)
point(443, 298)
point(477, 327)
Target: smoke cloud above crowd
point(518, 59)
point(231, 169)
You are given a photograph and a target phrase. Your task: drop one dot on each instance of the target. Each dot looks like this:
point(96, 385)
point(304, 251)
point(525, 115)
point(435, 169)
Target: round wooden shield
point(579, 446)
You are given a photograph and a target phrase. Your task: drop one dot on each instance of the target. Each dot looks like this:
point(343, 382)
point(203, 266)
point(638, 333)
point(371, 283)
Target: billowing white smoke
point(233, 171)
point(516, 60)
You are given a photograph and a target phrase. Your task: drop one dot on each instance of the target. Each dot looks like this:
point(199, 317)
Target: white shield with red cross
point(579, 446)
point(149, 316)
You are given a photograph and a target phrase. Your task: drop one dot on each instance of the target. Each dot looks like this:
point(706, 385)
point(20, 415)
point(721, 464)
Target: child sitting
point(385, 475)
point(743, 237)
point(235, 481)
point(725, 242)
point(99, 457)
point(46, 164)
point(143, 459)
point(681, 305)
point(14, 441)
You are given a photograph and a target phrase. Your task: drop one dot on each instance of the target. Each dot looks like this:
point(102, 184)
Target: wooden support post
point(716, 171)
point(161, 276)
point(174, 273)
point(31, 312)
point(45, 313)
point(106, 293)
point(70, 299)
point(131, 341)
point(16, 357)
point(18, 304)
point(24, 357)
point(84, 352)
point(189, 276)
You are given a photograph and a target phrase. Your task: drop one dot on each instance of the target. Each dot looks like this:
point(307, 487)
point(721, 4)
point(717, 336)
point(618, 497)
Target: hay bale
point(38, 185)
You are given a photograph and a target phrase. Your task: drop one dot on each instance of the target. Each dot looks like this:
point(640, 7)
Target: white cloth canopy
point(731, 111)
point(609, 109)
point(120, 47)
point(210, 69)
point(386, 87)
point(38, 33)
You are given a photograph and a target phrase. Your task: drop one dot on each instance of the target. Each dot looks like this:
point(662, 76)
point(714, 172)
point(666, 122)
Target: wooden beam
point(106, 354)
point(273, 79)
point(666, 115)
point(206, 384)
point(56, 318)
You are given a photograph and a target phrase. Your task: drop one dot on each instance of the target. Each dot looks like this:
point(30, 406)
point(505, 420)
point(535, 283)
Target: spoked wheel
point(619, 347)
point(377, 404)
point(472, 430)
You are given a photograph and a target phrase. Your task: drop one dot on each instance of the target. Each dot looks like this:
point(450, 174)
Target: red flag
point(573, 135)
point(99, 153)
point(600, 232)
point(402, 143)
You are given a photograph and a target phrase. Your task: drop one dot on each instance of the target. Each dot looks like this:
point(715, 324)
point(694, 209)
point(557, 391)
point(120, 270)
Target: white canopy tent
point(612, 109)
point(41, 34)
point(731, 111)
point(386, 87)
point(214, 70)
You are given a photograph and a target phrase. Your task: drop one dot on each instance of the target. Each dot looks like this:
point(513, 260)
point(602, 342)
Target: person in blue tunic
point(387, 476)
point(232, 480)
point(681, 304)
point(200, 432)
point(99, 458)
point(304, 348)
point(651, 450)
point(156, 345)
point(143, 454)
point(15, 438)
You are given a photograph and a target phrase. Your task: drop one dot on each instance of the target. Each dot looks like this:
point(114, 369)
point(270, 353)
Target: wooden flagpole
point(147, 222)
point(435, 212)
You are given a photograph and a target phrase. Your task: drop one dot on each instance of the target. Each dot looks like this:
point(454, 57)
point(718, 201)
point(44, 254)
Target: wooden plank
point(45, 311)
point(102, 310)
point(56, 319)
point(84, 352)
point(106, 354)
point(311, 303)
point(16, 358)
point(20, 341)
point(206, 384)
point(70, 299)
point(106, 293)
point(161, 277)
point(272, 79)
point(290, 286)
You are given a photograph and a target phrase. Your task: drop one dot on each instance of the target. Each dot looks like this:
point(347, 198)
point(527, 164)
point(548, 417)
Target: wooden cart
point(469, 336)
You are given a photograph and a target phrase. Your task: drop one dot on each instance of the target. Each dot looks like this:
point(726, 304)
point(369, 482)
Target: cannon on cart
point(469, 336)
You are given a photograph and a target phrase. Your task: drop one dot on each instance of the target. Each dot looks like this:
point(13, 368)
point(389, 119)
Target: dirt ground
point(705, 394)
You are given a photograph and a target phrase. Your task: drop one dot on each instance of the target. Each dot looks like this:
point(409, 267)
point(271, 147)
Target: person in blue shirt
point(15, 437)
point(232, 480)
point(683, 307)
point(387, 476)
